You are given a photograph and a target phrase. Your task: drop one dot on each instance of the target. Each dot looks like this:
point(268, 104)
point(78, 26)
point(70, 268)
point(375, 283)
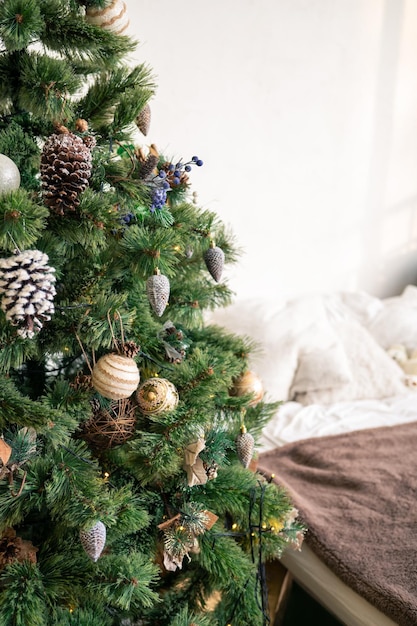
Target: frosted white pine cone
point(94, 540)
point(245, 444)
point(27, 290)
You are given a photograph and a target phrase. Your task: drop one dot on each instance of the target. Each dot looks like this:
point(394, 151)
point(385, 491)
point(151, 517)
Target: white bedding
point(293, 421)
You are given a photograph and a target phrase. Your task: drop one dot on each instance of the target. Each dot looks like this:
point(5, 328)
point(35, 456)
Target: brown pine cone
point(65, 171)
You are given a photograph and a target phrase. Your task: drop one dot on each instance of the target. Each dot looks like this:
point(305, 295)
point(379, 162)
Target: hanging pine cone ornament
point(27, 290)
point(156, 395)
point(65, 171)
point(113, 18)
point(94, 540)
point(110, 426)
point(143, 120)
point(115, 376)
point(245, 444)
point(9, 175)
point(214, 260)
point(247, 383)
point(157, 289)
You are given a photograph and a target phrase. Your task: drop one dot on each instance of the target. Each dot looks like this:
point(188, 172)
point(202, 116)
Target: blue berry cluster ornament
point(177, 174)
point(170, 177)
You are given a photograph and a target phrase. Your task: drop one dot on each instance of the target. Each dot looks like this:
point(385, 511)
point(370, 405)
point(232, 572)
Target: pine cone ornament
point(157, 289)
point(27, 289)
point(65, 171)
point(245, 444)
point(143, 120)
point(147, 165)
point(94, 540)
point(214, 260)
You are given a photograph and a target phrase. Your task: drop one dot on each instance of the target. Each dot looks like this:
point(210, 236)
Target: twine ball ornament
point(156, 395)
point(9, 175)
point(143, 120)
point(115, 376)
point(245, 445)
point(27, 290)
point(113, 18)
point(94, 540)
point(248, 383)
point(110, 426)
point(157, 290)
point(214, 260)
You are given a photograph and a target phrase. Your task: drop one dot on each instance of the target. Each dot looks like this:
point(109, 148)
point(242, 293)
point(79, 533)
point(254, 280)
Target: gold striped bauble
point(113, 18)
point(156, 395)
point(115, 376)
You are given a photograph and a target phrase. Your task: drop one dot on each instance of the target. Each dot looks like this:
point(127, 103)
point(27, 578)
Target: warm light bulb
point(234, 526)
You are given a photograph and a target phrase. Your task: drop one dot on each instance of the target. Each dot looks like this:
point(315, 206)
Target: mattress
point(294, 422)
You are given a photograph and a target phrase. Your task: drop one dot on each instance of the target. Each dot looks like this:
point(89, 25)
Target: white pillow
point(323, 367)
point(295, 337)
point(396, 322)
point(374, 373)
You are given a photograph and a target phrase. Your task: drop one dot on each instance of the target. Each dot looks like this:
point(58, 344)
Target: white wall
point(305, 113)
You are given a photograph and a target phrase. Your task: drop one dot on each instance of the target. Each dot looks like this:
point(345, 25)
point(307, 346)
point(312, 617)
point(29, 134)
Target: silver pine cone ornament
point(27, 290)
point(245, 445)
point(93, 540)
point(214, 260)
point(65, 171)
point(143, 120)
point(157, 289)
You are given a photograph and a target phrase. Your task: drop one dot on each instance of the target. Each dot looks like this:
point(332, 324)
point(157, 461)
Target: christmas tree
point(128, 491)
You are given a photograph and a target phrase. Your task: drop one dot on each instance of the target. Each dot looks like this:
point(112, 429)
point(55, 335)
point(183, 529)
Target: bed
point(342, 442)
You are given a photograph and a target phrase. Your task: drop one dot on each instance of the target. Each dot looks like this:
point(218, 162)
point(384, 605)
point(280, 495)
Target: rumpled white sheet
point(294, 421)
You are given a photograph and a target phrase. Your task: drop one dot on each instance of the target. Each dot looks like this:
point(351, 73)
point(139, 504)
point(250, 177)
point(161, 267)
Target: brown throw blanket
point(357, 494)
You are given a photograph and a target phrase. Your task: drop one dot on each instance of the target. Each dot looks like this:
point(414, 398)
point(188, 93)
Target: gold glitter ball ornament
point(115, 376)
point(156, 395)
point(247, 383)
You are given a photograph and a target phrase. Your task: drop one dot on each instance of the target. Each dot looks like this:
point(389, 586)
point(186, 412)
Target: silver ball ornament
point(9, 175)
